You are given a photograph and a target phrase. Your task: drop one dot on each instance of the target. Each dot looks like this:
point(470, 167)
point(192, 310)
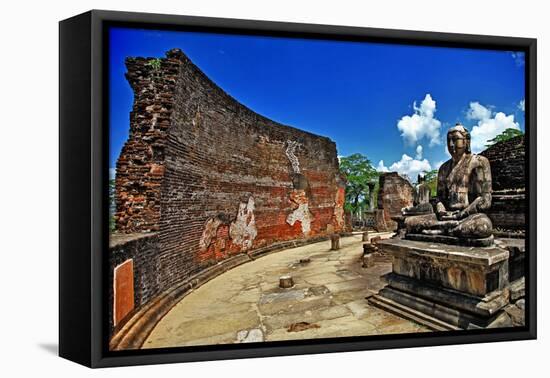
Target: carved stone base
point(445, 239)
point(439, 308)
point(445, 286)
point(516, 262)
point(475, 271)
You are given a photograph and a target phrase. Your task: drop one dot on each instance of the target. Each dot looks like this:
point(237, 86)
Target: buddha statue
point(421, 200)
point(463, 194)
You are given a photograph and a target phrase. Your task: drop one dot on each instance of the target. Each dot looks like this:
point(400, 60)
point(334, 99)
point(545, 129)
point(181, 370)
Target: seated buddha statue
point(421, 200)
point(463, 195)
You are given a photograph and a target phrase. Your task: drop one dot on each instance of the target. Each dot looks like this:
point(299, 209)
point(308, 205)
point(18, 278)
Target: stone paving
point(245, 304)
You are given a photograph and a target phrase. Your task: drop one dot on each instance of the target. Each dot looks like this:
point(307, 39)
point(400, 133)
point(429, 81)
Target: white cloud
point(421, 124)
point(521, 105)
point(419, 152)
point(407, 166)
point(381, 167)
point(489, 125)
point(112, 173)
point(478, 111)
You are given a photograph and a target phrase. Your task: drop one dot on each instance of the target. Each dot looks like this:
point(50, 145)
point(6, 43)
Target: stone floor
point(245, 304)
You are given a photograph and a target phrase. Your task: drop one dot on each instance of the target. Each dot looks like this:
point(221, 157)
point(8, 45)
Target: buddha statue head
point(458, 141)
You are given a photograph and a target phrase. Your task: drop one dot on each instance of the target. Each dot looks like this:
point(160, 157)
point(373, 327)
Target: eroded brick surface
point(508, 207)
point(394, 194)
point(212, 177)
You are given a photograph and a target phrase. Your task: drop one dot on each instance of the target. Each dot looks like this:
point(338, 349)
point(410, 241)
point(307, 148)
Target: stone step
point(410, 314)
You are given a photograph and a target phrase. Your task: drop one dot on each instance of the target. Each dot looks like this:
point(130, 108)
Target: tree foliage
point(359, 172)
point(505, 135)
point(431, 181)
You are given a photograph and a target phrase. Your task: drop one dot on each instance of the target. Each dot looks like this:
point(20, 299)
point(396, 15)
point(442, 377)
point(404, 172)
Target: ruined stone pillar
point(371, 196)
point(335, 241)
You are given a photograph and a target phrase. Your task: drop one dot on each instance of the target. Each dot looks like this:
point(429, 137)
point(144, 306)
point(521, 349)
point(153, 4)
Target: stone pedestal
point(445, 286)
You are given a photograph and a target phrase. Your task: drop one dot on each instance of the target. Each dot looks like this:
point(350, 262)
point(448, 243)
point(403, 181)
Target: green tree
point(431, 181)
point(505, 135)
point(359, 173)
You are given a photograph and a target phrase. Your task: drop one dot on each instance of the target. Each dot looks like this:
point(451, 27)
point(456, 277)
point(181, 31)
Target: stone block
point(368, 260)
point(446, 287)
point(476, 271)
point(516, 261)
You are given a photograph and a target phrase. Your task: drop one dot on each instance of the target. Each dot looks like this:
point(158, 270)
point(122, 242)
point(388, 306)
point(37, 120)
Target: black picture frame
point(83, 153)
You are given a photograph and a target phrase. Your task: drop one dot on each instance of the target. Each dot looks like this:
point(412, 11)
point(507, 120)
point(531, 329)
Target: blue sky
point(392, 103)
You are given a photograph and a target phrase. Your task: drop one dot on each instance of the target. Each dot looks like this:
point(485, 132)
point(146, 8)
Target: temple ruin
point(203, 184)
point(203, 180)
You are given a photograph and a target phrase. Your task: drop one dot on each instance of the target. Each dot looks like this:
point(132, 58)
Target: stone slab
point(471, 270)
point(516, 262)
point(445, 239)
point(486, 306)
point(517, 289)
point(434, 312)
point(247, 298)
point(479, 256)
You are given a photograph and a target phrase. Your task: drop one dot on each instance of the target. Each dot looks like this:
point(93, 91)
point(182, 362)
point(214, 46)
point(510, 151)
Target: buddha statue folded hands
point(463, 195)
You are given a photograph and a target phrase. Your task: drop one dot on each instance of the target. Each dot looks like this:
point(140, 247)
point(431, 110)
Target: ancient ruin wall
point(143, 252)
point(213, 177)
point(140, 166)
point(507, 161)
point(394, 194)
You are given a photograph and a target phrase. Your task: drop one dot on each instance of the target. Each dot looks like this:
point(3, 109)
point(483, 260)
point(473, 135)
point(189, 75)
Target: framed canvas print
point(233, 188)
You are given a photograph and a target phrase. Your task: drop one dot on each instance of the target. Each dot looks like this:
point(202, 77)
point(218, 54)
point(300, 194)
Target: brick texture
point(394, 194)
point(507, 161)
point(212, 177)
point(143, 250)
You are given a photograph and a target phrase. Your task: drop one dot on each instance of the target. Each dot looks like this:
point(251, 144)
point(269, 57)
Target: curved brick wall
point(213, 178)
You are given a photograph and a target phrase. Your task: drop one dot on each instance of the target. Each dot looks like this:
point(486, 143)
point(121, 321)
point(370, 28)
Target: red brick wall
point(213, 177)
point(394, 194)
point(140, 166)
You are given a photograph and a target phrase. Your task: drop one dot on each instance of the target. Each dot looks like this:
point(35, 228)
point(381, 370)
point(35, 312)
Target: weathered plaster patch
point(302, 213)
point(290, 149)
point(339, 209)
point(209, 233)
point(243, 230)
